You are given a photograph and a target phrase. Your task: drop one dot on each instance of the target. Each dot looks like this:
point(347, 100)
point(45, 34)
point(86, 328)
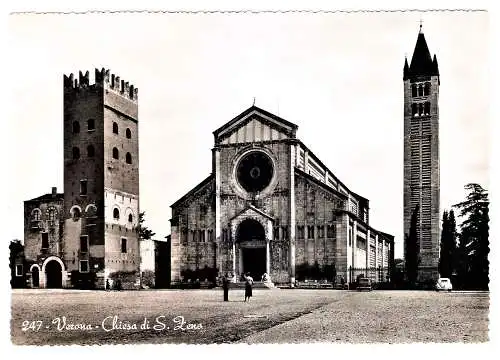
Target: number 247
point(31, 325)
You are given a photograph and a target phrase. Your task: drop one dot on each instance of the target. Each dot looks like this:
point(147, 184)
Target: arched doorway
point(35, 277)
point(53, 274)
point(251, 238)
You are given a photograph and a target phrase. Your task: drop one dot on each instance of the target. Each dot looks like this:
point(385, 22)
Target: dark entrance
point(252, 239)
point(53, 272)
point(254, 262)
point(35, 277)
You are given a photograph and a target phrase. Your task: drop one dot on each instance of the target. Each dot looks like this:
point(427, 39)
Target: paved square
point(272, 316)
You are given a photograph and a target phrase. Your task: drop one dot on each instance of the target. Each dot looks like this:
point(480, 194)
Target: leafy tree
point(144, 232)
point(16, 251)
point(412, 249)
point(448, 245)
point(474, 237)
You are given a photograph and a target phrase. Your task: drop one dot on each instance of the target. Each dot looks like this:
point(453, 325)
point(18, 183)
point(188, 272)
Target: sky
point(338, 76)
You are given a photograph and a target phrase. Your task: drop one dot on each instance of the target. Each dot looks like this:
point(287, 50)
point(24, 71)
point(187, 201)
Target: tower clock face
point(255, 171)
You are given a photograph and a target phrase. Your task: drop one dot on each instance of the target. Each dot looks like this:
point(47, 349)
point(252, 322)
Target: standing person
point(225, 287)
point(248, 286)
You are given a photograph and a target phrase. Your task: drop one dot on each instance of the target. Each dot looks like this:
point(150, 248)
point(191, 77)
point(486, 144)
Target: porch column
point(268, 258)
point(234, 262)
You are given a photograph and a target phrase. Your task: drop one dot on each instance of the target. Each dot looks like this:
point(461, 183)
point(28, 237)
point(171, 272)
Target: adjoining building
point(272, 206)
point(87, 237)
point(421, 156)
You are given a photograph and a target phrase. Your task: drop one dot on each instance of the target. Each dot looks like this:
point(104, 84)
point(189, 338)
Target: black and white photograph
point(249, 177)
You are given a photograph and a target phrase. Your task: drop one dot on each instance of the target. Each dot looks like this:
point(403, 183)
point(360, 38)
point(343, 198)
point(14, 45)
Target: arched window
point(420, 90)
point(76, 213)
point(90, 151)
point(427, 108)
point(116, 154)
point(130, 218)
point(91, 211)
point(115, 128)
point(90, 124)
point(128, 158)
point(427, 89)
point(35, 215)
point(76, 127)
point(52, 215)
point(420, 109)
point(116, 214)
point(414, 90)
point(76, 153)
point(414, 110)
point(128, 133)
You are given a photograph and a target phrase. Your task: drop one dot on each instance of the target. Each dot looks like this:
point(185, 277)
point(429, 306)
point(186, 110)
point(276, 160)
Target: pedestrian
point(225, 287)
point(248, 286)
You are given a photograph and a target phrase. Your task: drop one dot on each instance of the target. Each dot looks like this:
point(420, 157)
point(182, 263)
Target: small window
point(128, 133)
point(420, 90)
point(427, 89)
point(210, 235)
point(124, 246)
point(84, 266)
point(36, 215)
point(76, 127)
point(115, 128)
point(84, 244)
point(52, 215)
point(330, 231)
point(276, 233)
point(91, 210)
point(310, 232)
point(284, 232)
point(414, 109)
point(19, 270)
point(76, 153)
point(83, 187)
point(202, 235)
point(427, 108)
point(321, 231)
point(300, 232)
point(414, 90)
point(90, 124)
point(130, 218)
point(116, 154)
point(90, 151)
point(116, 214)
point(128, 158)
point(45, 240)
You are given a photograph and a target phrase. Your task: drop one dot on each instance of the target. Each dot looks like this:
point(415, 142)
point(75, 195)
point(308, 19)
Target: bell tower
point(421, 155)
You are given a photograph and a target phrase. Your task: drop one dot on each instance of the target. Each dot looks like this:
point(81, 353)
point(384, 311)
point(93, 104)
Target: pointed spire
point(421, 61)
point(435, 64)
point(406, 70)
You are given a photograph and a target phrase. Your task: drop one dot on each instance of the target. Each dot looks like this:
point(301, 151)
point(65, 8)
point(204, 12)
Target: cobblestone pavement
point(272, 316)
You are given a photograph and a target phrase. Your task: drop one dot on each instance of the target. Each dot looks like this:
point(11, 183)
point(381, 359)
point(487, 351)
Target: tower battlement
point(104, 79)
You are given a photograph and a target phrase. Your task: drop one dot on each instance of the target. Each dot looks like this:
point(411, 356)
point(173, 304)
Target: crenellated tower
point(421, 155)
point(101, 177)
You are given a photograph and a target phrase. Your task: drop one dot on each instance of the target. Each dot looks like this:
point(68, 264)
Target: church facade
point(271, 206)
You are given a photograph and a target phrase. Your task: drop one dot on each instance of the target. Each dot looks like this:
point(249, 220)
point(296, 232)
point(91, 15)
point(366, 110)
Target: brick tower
point(421, 155)
point(101, 180)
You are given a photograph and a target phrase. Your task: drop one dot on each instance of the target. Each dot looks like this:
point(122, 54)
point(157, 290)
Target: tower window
point(310, 232)
point(45, 240)
point(420, 90)
point(130, 218)
point(414, 109)
point(83, 187)
point(128, 158)
point(427, 108)
point(115, 128)
point(116, 154)
point(76, 127)
point(76, 153)
point(414, 90)
point(84, 244)
point(90, 124)
point(116, 214)
point(300, 232)
point(427, 89)
point(124, 246)
point(90, 151)
point(36, 215)
point(128, 133)
point(420, 109)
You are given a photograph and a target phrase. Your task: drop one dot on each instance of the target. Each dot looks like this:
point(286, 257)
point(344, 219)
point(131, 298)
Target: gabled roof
point(421, 62)
point(193, 190)
point(253, 208)
point(47, 198)
point(263, 115)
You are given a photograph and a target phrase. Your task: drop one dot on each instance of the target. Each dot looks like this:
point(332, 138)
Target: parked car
point(340, 283)
point(364, 284)
point(443, 284)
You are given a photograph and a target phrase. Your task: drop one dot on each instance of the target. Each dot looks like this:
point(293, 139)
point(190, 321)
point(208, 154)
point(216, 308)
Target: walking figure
point(225, 287)
point(248, 286)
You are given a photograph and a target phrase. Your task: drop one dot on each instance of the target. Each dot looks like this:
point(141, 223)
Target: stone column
point(354, 242)
point(268, 258)
point(234, 261)
point(291, 199)
point(216, 170)
point(368, 238)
